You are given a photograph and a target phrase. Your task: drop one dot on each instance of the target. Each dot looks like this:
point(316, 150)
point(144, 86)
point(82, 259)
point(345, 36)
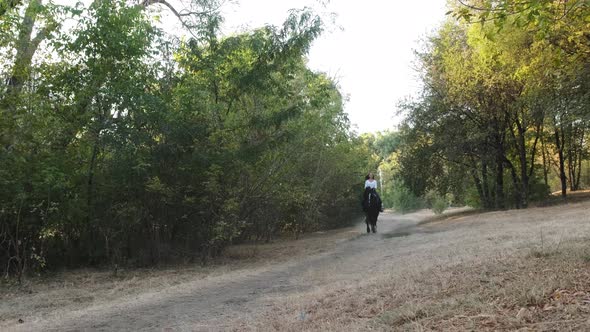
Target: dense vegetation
point(504, 115)
point(122, 144)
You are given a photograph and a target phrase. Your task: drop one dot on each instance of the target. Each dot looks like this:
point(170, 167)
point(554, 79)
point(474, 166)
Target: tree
point(126, 148)
point(499, 99)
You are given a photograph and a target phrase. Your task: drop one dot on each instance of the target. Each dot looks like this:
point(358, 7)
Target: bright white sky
point(371, 55)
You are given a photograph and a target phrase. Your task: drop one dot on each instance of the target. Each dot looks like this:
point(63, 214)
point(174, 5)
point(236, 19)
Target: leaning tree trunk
point(26, 47)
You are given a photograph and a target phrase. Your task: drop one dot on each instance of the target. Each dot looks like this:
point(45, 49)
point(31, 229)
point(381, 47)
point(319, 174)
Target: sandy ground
point(284, 295)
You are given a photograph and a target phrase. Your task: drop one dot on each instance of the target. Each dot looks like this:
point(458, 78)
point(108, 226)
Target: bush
point(403, 200)
point(439, 204)
point(472, 198)
point(539, 191)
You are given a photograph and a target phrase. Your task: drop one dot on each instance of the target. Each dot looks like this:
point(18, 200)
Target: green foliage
point(403, 199)
point(539, 191)
point(437, 202)
point(127, 148)
point(499, 112)
point(542, 15)
point(387, 143)
point(472, 198)
point(439, 205)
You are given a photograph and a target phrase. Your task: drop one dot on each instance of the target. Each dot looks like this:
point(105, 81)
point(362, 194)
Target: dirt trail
point(215, 304)
point(404, 246)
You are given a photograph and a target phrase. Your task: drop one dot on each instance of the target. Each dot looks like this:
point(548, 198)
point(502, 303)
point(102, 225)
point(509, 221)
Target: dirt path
point(217, 303)
point(236, 300)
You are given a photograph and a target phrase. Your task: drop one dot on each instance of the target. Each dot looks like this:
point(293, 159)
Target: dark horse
point(372, 207)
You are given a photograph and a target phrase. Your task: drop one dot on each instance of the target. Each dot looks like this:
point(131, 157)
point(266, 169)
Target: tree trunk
point(90, 177)
point(498, 136)
point(568, 142)
point(521, 185)
point(26, 47)
point(545, 166)
point(485, 186)
point(577, 150)
point(499, 183)
point(580, 156)
point(477, 182)
point(524, 177)
point(562, 177)
point(515, 181)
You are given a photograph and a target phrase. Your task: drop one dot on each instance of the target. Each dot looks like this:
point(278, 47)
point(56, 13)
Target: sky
point(369, 50)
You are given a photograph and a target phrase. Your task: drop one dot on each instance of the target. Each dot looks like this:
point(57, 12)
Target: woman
point(370, 181)
point(372, 206)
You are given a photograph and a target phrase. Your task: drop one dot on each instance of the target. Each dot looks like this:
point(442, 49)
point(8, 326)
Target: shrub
point(439, 204)
point(404, 200)
point(472, 198)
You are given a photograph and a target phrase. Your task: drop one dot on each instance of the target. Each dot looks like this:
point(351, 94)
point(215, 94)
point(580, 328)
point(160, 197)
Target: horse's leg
point(367, 221)
point(376, 218)
point(374, 223)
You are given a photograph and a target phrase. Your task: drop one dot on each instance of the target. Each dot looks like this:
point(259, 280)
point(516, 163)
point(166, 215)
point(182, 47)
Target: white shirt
point(371, 183)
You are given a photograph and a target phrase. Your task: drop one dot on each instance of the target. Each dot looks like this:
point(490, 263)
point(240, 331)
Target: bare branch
point(183, 14)
point(148, 3)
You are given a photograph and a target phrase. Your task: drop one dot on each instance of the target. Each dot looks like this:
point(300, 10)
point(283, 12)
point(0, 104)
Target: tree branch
point(148, 3)
point(184, 13)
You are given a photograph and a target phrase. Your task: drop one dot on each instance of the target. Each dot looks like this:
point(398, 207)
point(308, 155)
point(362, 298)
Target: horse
point(372, 207)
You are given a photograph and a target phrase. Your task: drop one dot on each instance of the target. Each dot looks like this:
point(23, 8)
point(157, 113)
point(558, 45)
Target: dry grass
point(508, 270)
point(55, 294)
point(515, 270)
point(70, 290)
point(287, 249)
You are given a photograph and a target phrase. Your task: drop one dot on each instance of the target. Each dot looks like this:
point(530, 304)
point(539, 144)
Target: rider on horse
point(372, 204)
